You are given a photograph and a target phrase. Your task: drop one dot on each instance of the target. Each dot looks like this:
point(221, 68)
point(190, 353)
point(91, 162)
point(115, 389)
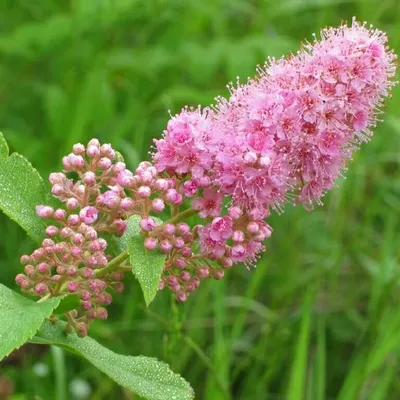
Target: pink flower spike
point(88, 215)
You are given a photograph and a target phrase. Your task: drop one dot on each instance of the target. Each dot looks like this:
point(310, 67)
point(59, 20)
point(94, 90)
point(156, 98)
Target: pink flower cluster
point(286, 134)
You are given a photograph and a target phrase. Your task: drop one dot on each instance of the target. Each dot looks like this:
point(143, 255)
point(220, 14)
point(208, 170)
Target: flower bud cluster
point(68, 262)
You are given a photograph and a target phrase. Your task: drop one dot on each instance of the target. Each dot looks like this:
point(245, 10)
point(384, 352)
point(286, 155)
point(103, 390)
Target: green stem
point(181, 216)
point(113, 264)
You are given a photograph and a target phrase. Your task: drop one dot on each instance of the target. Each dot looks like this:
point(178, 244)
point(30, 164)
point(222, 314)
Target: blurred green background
point(319, 317)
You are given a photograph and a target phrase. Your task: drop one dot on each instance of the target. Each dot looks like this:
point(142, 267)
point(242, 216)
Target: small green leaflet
point(20, 318)
point(148, 377)
point(147, 265)
point(21, 190)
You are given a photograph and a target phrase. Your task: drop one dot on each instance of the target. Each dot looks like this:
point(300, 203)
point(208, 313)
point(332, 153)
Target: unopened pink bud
point(180, 263)
point(104, 163)
point(66, 232)
point(187, 252)
point(144, 192)
point(191, 287)
point(161, 184)
point(173, 197)
point(86, 305)
point(66, 162)
point(91, 234)
point(60, 214)
point(47, 243)
point(171, 183)
point(93, 151)
point(150, 243)
point(72, 286)
point(73, 219)
point(125, 178)
point(235, 212)
point(89, 178)
point(185, 276)
point(76, 161)
point(94, 142)
point(106, 150)
point(101, 313)
point(44, 211)
point(78, 149)
point(127, 204)
point(40, 288)
point(148, 224)
point(60, 247)
point(238, 236)
point(51, 230)
point(57, 190)
point(61, 270)
point(169, 229)
point(29, 270)
point(204, 181)
point(25, 284)
point(165, 246)
point(226, 262)
point(43, 268)
point(81, 329)
point(25, 259)
point(109, 199)
point(158, 205)
point(119, 167)
point(86, 272)
point(181, 297)
point(120, 226)
point(78, 239)
point(238, 251)
point(72, 271)
point(183, 228)
point(250, 157)
point(85, 295)
point(146, 177)
point(20, 278)
point(72, 203)
point(104, 298)
point(218, 274)
point(265, 161)
point(57, 178)
point(88, 215)
point(179, 243)
point(252, 227)
point(203, 273)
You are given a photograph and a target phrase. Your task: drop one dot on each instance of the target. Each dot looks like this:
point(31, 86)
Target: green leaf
point(68, 303)
point(148, 377)
point(21, 190)
point(20, 318)
point(3, 147)
point(147, 265)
